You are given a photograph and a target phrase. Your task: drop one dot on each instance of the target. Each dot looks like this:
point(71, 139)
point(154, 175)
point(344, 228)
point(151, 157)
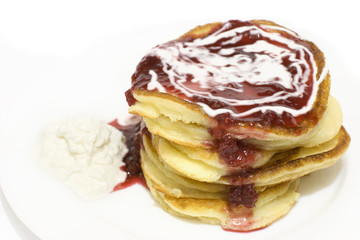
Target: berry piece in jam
point(245, 195)
point(236, 153)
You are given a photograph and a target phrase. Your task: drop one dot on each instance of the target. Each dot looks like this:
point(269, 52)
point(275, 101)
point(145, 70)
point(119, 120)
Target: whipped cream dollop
point(85, 153)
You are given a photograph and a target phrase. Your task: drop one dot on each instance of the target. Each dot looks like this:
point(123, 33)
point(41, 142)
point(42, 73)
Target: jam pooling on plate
point(241, 71)
point(132, 158)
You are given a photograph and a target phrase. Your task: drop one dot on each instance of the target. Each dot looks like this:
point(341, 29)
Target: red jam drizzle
point(132, 158)
point(245, 195)
point(212, 95)
point(234, 152)
point(239, 220)
point(130, 97)
point(242, 177)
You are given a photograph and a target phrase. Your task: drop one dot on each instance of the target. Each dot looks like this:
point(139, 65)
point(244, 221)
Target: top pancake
point(247, 105)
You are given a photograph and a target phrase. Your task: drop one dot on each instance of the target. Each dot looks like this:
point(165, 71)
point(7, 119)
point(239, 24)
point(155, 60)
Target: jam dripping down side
point(234, 152)
point(130, 98)
point(245, 195)
point(239, 220)
point(132, 158)
point(238, 156)
point(241, 200)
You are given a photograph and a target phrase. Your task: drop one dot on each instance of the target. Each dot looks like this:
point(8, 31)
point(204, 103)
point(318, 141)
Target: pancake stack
point(234, 114)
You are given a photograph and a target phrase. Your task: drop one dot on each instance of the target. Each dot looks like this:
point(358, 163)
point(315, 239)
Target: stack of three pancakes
point(236, 113)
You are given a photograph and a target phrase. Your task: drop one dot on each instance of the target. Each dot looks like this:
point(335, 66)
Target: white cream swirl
point(218, 63)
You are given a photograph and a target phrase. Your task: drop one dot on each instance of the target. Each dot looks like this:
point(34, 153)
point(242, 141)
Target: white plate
point(92, 83)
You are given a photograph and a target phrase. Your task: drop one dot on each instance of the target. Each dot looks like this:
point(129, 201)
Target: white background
point(49, 31)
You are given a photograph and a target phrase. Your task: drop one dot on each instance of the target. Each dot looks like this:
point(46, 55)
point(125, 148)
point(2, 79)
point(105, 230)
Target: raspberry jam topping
point(130, 97)
point(235, 153)
point(245, 195)
point(242, 71)
point(132, 158)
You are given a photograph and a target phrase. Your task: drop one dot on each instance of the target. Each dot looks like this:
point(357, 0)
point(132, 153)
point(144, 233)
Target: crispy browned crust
point(202, 31)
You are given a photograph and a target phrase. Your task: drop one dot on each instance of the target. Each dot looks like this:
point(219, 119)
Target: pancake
point(194, 135)
point(281, 167)
point(276, 183)
point(234, 115)
point(178, 93)
point(206, 166)
point(296, 163)
point(238, 219)
point(200, 164)
point(213, 207)
point(163, 175)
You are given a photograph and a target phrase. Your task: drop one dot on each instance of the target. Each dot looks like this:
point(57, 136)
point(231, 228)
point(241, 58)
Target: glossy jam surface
point(245, 195)
point(130, 97)
point(240, 72)
point(235, 153)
